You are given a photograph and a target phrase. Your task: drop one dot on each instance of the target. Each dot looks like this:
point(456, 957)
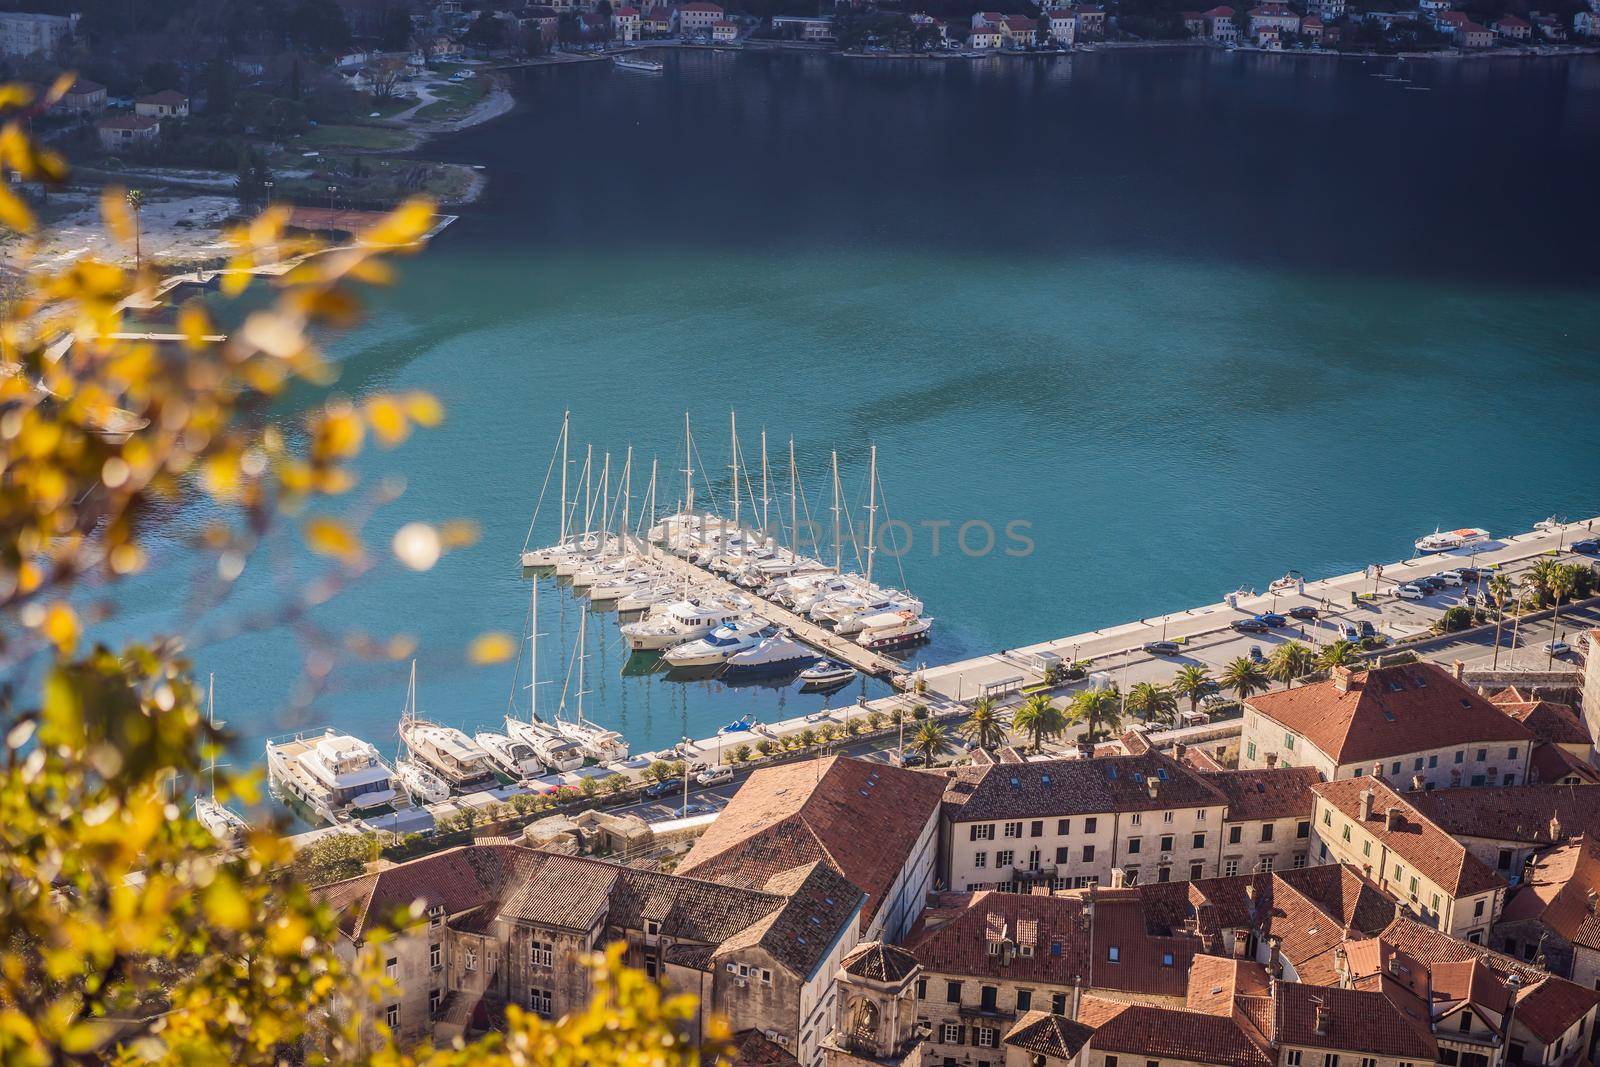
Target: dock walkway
point(830, 643)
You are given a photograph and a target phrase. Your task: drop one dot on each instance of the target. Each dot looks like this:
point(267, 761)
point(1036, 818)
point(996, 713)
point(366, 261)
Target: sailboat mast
point(794, 514)
point(588, 491)
point(627, 493)
point(764, 497)
point(872, 510)
point(733, 431)
point(211, 717)
point(566, 418)
point(533, 653)
point(583, 627)
point(688, 467)
point(838, 545)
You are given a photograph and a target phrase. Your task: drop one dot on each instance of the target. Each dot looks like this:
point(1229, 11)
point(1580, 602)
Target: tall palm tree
point(1499, 591)
point(929, 740)
point(986, 726)
point(1151, 702)
point(1542, 576)
point(1095, 708)
point(1562, 582)
point(1244, 676)
point(1289, 661)
point(1193, 681)
point(1040, 718)
point(1341, 653)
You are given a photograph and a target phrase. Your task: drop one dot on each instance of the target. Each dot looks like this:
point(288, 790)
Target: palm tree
point(929, 740)
point(1542, 576)
point(1244, 676)
point(1561, 584)
point(986, 726)
point(1039, 717)
point(1094, 708)
point(1341, 653)
point(1289, 661)
point(1151, 702)
point(1500, 591)
point(1192, 681)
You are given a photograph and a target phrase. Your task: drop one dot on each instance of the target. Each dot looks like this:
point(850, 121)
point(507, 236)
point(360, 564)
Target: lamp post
point(686, 743)
point(331, 190)
point(268, 186)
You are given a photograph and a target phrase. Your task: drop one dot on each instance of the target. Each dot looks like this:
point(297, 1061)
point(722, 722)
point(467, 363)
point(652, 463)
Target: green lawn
point(369, 138)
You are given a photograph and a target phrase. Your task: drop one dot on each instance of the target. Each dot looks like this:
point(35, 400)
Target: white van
point(714, 775)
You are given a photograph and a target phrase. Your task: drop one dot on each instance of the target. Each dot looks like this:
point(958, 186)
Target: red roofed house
point(1267, 826)
point(169, 103)
point(1311, 28)
point(625, 24)
point(984, 38)
point(120, 133)
point(1364, 823)
point(1220, 25)
point(1548, 26)
point(697, 17)
point(1273, 16)
point(724, 32)
point(1019, 31)
point(1451, 22)
point(1194, 23)
point(1415, 720)
point(1091, 20)
point(1512, 27)
point(656, 22)
point(1063, 26)
point(1473, 35)
point(83, 98)
point(1553, 918)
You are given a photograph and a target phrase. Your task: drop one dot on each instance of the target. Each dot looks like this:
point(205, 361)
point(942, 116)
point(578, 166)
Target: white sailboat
point(224, 823)
point(420, 784)
point(556, 751)
point(551, 555)
point(598, 743)
point(450, 754)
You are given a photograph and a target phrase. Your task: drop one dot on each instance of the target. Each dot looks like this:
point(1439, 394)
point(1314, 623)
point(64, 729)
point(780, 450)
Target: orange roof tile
point(1413, 837)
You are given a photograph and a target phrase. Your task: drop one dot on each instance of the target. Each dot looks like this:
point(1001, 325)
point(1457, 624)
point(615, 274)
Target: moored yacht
point(335, 775)
point(516, 758)
point(720, 645)
point(778, 654)
point(421, 784)
point(826, 675)
point(1444, 541)
point(680, 622)
point(225, 824)
point(893, 629)
point(449, 753)
point(605, 592)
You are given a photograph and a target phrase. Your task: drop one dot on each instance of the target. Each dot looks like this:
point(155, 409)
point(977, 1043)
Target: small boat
point(225, 824)
point(718, 646)
point(778, 654)
point(894, 629)
point(1451, 539)
point(516, 758)
point(648, 66)
point(828, 674)
point(420, 784)
point(740, 725)
point(1550, 525)
point(1289, 581)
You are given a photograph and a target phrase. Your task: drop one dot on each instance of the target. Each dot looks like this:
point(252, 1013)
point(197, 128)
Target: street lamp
point(685, 742)
point(268, 186)
point(331, 190)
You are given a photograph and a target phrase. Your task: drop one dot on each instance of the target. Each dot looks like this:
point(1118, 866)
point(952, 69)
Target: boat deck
point(829, 643)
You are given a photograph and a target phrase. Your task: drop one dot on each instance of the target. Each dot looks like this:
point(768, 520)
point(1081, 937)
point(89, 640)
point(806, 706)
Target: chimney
point(1341, 966)
point(1593, 900)
point(1416, 783)
point(1324, 1018)
point(1085, 749)
point(1391, 818)
point(1342, 677)
point(1272, 759)
point(1178, 749)
point(1366, 804)
point(1458, 668)
point(1377, 771)
point(1555, 828)
point(1077, 997)
point(1241, 940)
point(1154, 786)
point(1400, 909)
point(1119, 878)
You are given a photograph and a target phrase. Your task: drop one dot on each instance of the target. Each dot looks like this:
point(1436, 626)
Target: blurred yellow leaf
point(62, 628)
point(387, 419)
point(13, 212)
point(458, 533)
point(194, 324)
point(114, 209)
point(491, 648)
point(330, 537)
point(423, 409)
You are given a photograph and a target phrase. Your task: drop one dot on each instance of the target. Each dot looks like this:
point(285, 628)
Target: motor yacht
point(449, 753)
point(718, 646)
point(779, 653)
point(826, 675)
point(894, 629)
point(337, 776)
point(421, 784)
point(516, 758)
point(681, 622)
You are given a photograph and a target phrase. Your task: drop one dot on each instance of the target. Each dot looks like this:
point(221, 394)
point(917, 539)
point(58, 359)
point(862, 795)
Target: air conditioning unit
point(741, 982)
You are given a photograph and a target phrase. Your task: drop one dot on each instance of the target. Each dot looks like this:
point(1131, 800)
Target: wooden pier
point(829, 643)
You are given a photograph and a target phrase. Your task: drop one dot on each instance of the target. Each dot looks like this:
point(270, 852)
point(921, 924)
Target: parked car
point(1351, 633)
point(1304, 611)
point(1249, 626)
point(1589, 547)
point(1367, 629)
point(1472, 574)
point(664, 788)
point(715, 775)
point(1557, 647)
point(1447, 577)
point(1255, 654)
point(1431, 584)
point(1163, 648)
point(912, 759)
point(1410, 592)
point(1215, 700)
point(1273, 619)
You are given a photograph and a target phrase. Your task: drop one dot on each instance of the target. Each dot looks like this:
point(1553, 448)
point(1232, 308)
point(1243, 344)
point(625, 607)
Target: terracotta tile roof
point(1546, 1005)
point(1267, 793)
point(1387, 712)
point(1049, 1035)
point(457, 880)
point(1197, 759)
point(1376, 965)
point(1125, 956)
point(1562, 891)
point(1528, 814)
point(1354, 1020)
point(1548, 720)
point(1050, 788)
point(564, 892)
point(1214, 981)
point(170, 97)
point(786, 817)
point(879, 962)
point(1469, 982)
point(1552, 764)
point(1170, 1033)
point(1223, 12)
point(959, 943)
point(817, 905)
point(83, 87)
point(752, 1048)
point(1413, 838)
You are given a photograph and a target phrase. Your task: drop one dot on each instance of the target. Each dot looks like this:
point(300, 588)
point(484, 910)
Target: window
point(1088, 853)
point(1230, 868)
point(1330, 1059)
point(391, 1015)
point(1063, 827)
point(541, 953)
point(1250, 750)
point(1163, 873)
point(1004, 857)
point(1113, 953)
point(1166, 842)
point(1483, 754)
point(1413, 887)
point(1033, 859)
point(1299, 860)
point(1478, 779)
point(1302, 829)
point(1166, 959)
point(980, 859)
point(1110, 1061)
point(1368, 1061)
point(1433, 761)
point(1511, 753)
point(1399, 873)
point(1058, 1003)
point(652, 928)
point(1460, 756)
point(1327, 816)
point(1166, 816)
point(922, 989)
point(952, 992)
point(1135, 819)
point(1024, 1000)
point(1510, 779)
point(435, 998)
point(1266, 863)
point(1345, 833)
point(1133, 846)
point(1089, 824)
point(1199, 840)
point(1292, 1058)
point(989, 997)
point(951, 1033)
point(1235, 834)
point(1197, 871)
point(539, 1002)
point(1417, 766)
point(1288, 741)
point(1063, 854)
point(1036, 828)
point(1394, 768)
point(986, 1036)
point(471, 963)
point(1366, 848)
point(1477, 909)
point(1200, 816)
point(1466, 1022)
point(391, 967)
point(1266, 831)
point(435, 916)
point(435, 955)
point(1013, 829)
point(983, 831)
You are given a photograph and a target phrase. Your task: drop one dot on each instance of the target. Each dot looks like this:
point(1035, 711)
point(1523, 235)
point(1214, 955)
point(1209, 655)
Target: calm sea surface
point(1189, 319)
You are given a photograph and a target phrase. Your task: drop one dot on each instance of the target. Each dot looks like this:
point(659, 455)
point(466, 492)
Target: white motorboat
point(828, 674)
point(602, 571)
point(1447, 540)
point(852, 622)
point(225, 824)
point(1550, 525)
point(649, 596)
point(894, 629)
point(336, 775)
point(644, 66)
point(446, 751)
point(421, 784)
point(720, 645)
point(778, 654)
point(681, 622)
point(1289, 581)
point(608, 591)
point(515, 758)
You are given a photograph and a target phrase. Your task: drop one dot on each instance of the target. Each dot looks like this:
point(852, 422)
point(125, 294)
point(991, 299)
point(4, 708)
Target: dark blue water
point(1182, 320)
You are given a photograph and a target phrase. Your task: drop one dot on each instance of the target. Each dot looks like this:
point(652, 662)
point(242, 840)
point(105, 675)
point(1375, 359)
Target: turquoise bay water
point(1192, 319)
